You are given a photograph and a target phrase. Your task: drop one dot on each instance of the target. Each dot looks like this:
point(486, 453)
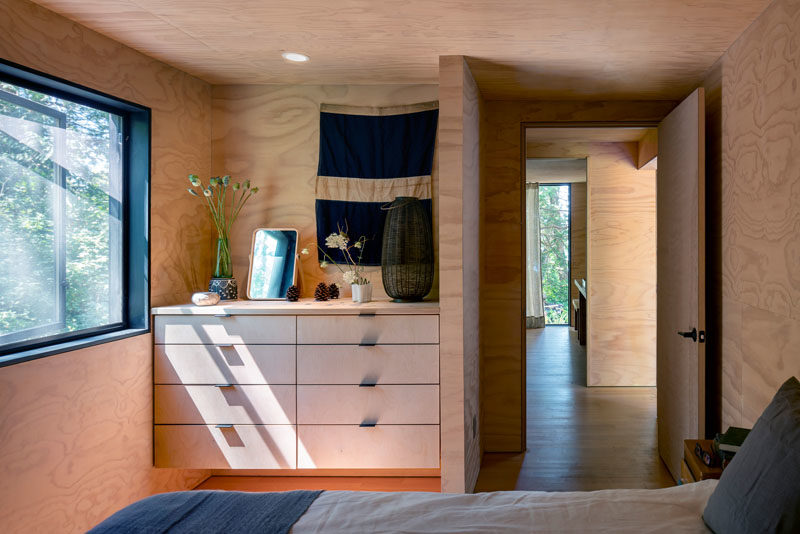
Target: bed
point(669, 510)
point(758, 492)
point(677, 509)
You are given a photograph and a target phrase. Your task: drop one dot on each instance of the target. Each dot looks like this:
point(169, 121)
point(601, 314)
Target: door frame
point(523, 127)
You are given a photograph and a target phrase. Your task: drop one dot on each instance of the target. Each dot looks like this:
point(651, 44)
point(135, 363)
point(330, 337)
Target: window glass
point(554, 234)
point(60, 216)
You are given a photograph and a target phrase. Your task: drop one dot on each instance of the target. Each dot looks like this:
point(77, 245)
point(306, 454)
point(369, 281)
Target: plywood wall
point(270, 134)
point(502, 377)
point(620, 253)
point(460, 245)
point(754, 166)
point(577, 222)
point(75, 429)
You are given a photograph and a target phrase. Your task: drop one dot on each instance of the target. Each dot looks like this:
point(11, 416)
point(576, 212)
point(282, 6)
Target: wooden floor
point(259, 483)
point(579, 438)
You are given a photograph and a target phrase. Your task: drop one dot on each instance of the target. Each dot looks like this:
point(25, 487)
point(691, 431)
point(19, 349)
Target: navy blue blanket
point(210, 511)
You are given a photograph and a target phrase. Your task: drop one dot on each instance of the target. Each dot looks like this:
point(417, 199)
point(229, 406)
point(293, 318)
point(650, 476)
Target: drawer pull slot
point(223, 385)
point(223, 426)
point(367, 344)
point(225, 346)
point(368, 424)
point(366, 314)
point(222, 315)
point(366, 384)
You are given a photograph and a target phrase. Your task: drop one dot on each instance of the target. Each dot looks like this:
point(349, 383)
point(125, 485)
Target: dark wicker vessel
point(407, 255)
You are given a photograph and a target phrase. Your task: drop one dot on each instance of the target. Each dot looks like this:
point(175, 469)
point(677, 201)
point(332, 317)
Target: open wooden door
point(680, 201)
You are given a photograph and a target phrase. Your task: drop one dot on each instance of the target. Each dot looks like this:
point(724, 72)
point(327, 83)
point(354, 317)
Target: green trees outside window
point(554, 209)
point(60, 216)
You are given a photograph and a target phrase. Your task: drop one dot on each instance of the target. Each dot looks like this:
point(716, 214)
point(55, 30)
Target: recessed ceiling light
point(295, 57)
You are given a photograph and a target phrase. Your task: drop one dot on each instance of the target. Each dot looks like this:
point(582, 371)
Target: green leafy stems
point(216, 194)
point(224, 208)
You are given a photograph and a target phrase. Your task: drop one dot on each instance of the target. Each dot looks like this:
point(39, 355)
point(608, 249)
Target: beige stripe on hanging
point(371, 189)
point(379, 111)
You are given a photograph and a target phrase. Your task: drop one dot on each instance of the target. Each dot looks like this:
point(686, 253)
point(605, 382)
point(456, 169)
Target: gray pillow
point(760, 490)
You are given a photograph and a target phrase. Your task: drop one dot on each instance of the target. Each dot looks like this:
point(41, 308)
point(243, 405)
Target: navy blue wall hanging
point(367, 158)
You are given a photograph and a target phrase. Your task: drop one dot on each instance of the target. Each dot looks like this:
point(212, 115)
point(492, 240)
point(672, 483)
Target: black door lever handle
point(692, 334)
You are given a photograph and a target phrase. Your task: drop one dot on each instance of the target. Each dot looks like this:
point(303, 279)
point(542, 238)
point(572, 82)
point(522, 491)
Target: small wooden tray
point(699, 470)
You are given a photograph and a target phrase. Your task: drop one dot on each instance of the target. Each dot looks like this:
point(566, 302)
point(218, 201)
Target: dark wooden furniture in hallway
point(579, 438)
point(580, 323)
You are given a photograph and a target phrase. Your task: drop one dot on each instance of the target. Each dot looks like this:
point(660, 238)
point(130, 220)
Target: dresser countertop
point(303, 307)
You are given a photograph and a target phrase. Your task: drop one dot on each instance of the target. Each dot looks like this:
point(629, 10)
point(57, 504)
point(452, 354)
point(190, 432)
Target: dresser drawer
point(382, 446)
point(237, 447)
point(371, 329)
point(243, 405)
point(212, 330)
point(227, 364)
point(353, 405)
point(381, 364)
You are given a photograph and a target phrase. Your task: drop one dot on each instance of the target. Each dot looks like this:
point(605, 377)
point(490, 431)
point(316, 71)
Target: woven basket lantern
point(407, 255)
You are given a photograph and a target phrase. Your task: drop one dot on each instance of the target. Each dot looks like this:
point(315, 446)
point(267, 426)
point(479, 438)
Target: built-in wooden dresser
point(303, 385)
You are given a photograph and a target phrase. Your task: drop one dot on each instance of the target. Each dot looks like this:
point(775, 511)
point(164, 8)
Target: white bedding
point(668, 510)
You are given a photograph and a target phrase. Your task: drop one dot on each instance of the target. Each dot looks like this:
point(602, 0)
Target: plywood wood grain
point(76, 429)
point(382, 404)
point(681, 279)
point(76, 438)
point(236, 447)
point(374, 329)
point(381, 364)
point(621, 269)
point(577, 222)
point(758, 286)
point(270, 135)
point(769, 357)
point(647, 149)
point(354, 447)
point(502, 264)
point(460, 105)
point(521, 48)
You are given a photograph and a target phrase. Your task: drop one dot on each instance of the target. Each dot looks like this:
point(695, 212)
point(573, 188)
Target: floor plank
point(579, 438)
point(259, 483)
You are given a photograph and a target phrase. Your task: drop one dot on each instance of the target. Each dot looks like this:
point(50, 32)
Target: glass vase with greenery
point(224, 200)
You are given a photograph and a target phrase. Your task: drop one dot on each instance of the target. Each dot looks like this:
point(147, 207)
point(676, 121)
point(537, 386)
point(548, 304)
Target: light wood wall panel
point(460, 244)
point(620, 261)
point(502, 377)
point(758, 182)
point(76, 438)
point(577, 221)
point(270, 134)
point(75, 429)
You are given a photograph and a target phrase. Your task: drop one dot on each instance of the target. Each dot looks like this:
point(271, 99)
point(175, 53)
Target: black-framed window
point(74, 201)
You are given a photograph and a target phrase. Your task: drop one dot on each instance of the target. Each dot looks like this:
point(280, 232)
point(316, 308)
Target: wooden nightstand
point(692, 468)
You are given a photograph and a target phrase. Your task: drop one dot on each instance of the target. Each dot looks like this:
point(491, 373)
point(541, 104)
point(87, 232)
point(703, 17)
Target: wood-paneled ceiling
point(546, 49)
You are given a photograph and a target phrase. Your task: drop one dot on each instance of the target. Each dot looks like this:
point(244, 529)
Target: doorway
point(555, 234)
point(574, 432)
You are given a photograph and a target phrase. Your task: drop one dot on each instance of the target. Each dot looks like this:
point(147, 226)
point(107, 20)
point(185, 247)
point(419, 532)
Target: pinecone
point(333, 291)
point(321, 293)
point(292, 294)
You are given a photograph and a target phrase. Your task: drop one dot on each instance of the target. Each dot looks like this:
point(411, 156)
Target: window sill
point(68, 346)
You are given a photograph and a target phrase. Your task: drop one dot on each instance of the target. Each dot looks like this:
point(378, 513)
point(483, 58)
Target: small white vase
point(361, 292)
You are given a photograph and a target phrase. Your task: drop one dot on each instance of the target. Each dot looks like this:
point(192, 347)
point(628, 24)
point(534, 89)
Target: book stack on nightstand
point(727, 445)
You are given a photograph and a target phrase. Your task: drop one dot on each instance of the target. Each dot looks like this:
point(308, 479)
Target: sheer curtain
point(534, 304)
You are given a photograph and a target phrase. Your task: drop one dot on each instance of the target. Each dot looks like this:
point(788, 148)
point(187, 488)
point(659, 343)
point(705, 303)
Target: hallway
point(578, 438)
